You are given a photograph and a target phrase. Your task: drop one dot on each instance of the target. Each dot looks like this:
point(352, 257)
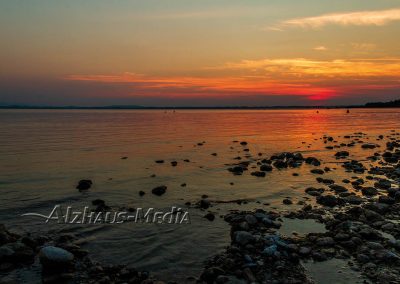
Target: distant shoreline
point(191, 108)
point(392, 104)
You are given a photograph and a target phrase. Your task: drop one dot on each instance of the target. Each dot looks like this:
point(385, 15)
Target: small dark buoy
point(348, 111)
point(317, 111)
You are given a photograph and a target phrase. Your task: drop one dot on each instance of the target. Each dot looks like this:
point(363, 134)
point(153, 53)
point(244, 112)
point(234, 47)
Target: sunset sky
point(199, 53)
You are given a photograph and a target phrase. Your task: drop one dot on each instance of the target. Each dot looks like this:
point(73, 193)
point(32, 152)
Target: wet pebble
point(159, 190)
point(84, 184)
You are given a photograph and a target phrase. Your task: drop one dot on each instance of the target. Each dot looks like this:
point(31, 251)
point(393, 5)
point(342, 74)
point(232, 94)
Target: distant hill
point(395, 103)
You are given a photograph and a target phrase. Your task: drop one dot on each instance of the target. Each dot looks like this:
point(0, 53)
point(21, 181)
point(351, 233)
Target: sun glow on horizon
point(316, 80)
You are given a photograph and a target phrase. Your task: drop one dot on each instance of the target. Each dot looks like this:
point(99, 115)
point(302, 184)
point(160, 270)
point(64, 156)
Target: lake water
point(44, 153)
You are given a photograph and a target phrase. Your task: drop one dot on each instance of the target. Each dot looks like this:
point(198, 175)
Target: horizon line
point(395, 103)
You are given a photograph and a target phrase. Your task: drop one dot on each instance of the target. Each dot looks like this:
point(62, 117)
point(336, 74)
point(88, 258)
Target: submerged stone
point(84, 184)
point(51, 256)
point(159, 190)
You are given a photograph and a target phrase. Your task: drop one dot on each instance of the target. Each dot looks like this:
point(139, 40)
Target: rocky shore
point(362, 222)
point(361, 216)
point(61, 260)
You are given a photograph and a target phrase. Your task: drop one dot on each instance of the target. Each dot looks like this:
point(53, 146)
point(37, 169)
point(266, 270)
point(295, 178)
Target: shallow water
point(300, 227)
point(333, 271)
point(44, 153)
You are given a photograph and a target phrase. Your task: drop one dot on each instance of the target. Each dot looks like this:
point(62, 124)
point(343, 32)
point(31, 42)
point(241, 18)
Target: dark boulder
point(342, 154)
point(328, 200)
point(287, 201)
point(314, 191)
point(338, 188)
point(84, 184)
point(237, 170)
point(266, 168)
point(386, 200)
point(159, 190)
point(383, 184)
point(209, 216)
point(55, 258)
point(313, 161)
point(280, 164)
point(369, 191)
point(98, 202)
point(258, 174)
point(204, 204)
point(353, 199)
point(368, 146)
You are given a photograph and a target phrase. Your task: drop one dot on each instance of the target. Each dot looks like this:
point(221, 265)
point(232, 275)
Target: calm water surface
point(43, 153)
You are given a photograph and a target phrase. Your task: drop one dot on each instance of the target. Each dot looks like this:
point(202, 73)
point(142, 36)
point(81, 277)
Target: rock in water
point(204, 204)
point(280, 164)
point(55, 257)
point(369, 191)
point(386, 200)
point(313, 161)
point(317, 171)
point(6, 252)
point(338, 188)
point(5, 236)
point(84, 184)
point(243, 237)
point(258, 174)
point(327, 200)
point(383, 184)
point(237, 170)
point(287, 201)
point(270, 251)
point(209, 216)
point(250, 219)
point(98, 202)
point(266, 168)
point(159, 190)
point(353, 199)
point(342, 154)
point(325, 241)
point(368, 146)
point(314, 191)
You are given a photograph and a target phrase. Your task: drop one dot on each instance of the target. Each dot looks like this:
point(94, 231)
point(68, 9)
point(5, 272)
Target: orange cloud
point(315, 79)
point(227, 85)
point(299, 67)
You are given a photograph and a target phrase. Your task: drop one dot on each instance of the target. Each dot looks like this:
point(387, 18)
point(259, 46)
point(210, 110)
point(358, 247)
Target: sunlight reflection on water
point(43, 153)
